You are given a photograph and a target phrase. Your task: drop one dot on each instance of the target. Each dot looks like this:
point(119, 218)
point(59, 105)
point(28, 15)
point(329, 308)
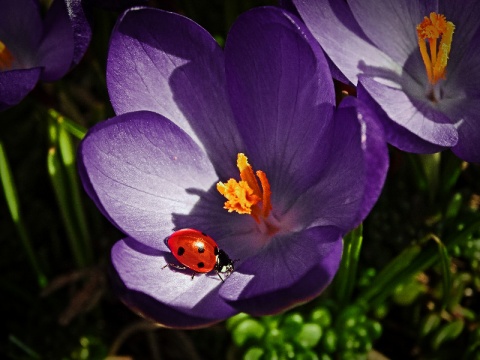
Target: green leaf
point(73, 128)
point(406, 294)
point(253, 353)
point(246, 330)
point(345, 279)
point(447, 332)
point(57, 178)
point(235, 320)
point(292, 325)
point(322, 317)
point(384, 278)
point(446, 273)
point(309, 335)
point(329, 341)
point(13, 203)
point(429, 323)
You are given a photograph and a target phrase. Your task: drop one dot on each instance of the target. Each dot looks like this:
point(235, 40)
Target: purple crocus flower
point(417, 62)
point(195, 122)
point(33, 49)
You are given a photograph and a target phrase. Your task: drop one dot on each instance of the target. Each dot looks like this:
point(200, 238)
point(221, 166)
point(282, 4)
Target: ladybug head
point(224, 263)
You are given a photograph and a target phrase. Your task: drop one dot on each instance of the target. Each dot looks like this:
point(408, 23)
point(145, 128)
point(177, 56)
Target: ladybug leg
point(175, 266)
point(220, 277)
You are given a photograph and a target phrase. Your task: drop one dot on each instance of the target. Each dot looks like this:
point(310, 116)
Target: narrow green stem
point(13, 204)
point(347, 272)
point(67, 151)
point(58, 182)
point(431, 170)
point(72, 127)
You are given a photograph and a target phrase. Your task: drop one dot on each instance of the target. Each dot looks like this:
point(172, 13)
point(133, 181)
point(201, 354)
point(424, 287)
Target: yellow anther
point(6, 58)
point(246, 196)
point(239, 195)
point(432, 29)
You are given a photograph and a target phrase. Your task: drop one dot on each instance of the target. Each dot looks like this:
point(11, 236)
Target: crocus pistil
point(438, 32)
point(6, 57)
point(248, 196)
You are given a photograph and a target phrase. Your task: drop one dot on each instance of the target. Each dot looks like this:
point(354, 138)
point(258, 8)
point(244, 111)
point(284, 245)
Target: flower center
point(6, 57)
point(438, 32)
point(247, 196)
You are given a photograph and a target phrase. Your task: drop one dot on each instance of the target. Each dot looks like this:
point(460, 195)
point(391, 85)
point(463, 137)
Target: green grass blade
point(58, 181)
point(13, 204)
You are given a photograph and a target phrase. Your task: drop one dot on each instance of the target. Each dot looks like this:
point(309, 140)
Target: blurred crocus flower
point(35, 49)
point(417, 62)
point(244, 145)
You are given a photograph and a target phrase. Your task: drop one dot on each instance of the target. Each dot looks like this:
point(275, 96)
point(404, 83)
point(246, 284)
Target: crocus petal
point(56, 50)
point(21, 30)
point(166, 63)
point(82, 30)
point(142, 170)
point(374, 150)
point(391, 24)
point(290, 269)
point(352, 181)
point(464, 15)
point(396, 134)
point(168, 296)
point(416, 115)
point(466, 112)
point(282, 107)
point(330, 20)
point(16, 84)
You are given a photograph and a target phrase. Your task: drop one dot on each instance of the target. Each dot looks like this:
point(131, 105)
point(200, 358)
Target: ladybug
point(199, 252)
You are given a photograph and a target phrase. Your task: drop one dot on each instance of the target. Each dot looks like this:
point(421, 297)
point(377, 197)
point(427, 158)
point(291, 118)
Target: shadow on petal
point(165, 295)
point(290, 270)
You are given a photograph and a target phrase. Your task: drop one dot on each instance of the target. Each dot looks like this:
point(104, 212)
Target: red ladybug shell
point(194, 249)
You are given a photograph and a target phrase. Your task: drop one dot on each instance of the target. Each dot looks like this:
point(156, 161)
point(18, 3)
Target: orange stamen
point(432, 29)
point(246, 196)
point(6, 58)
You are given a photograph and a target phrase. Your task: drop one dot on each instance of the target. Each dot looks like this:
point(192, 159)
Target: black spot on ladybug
point(204, 234)
point(200, 248)
point(180, 251)
point(200, 265)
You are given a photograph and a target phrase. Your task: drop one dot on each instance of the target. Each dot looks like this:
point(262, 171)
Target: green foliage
point(324, 332)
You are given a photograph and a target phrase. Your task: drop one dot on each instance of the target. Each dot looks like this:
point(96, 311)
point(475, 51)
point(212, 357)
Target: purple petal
point(291, 269)
point(394, 133)
point(16, 84)
point(464, 14)
point(352, 179)
point(282, 96)
point(56, 50)
point(168, 64)
point(82, 31)
point(463, 76)
point(21, 30)
point(331, 20)
point(391, 24)
point(375, 152)
point(466, 113)
point(142, 171)
point(168, 296)
point(416, 115)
